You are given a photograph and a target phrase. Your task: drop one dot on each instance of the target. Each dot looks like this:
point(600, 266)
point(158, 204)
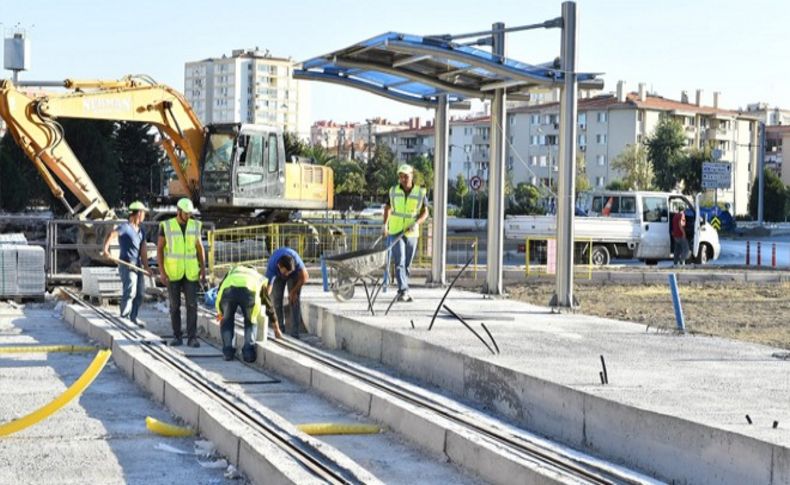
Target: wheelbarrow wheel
point(343, 290)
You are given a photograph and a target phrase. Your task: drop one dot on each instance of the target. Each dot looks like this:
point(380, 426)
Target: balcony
point(480, 140)
point(718, 134)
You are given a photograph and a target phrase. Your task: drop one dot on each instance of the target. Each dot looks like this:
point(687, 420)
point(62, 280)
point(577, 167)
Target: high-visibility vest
point(180, 251)
point(404, 210)
point(244, 277)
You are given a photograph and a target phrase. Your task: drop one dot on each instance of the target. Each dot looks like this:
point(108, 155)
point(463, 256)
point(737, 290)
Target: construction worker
point(245, 289)
point(287, 268)
point(182, 267)
point(403, 213)
point(132, 251)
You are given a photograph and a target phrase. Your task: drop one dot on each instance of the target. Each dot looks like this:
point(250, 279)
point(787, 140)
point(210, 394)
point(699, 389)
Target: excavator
point(227, 170)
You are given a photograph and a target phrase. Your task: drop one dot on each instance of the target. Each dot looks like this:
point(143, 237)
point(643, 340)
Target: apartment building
point(469, 147)
point(359, 138)
point(607, 124)
point(768, 115)
point(249, 86)
point(414, 141)
point(777, 137)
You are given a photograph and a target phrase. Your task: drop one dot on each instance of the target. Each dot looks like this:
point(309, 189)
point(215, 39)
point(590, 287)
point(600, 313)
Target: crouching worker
point(245, 289)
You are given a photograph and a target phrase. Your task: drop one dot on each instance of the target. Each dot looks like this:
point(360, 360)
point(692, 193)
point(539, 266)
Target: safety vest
point(404, 210)
point(180, 252)
point(244, 277)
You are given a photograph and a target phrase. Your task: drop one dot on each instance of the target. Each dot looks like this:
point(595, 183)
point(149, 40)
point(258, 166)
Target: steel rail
point(311, 458)
point(587, 471)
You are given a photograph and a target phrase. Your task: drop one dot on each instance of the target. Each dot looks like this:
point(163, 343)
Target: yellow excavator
point(226, 169)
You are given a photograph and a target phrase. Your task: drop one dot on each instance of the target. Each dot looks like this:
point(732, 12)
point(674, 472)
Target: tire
point(651, 262)
point(600, 255)
point(705, 252)
point(343, 290)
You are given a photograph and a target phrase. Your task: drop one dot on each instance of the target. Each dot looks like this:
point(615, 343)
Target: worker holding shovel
point(132, 261)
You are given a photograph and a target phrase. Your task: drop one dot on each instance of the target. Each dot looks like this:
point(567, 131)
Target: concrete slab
point(689, 390)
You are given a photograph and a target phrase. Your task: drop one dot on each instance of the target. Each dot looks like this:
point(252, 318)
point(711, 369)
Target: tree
point(138, 155)
point(20, 184)
point(92, 143)
point(461, 188)
point(637, 170)
point(617, 185)
point(381, 173)
point(665, 153)
point(349, 177)
point(526, 199)
point(775, 198)
point(293, 146)
point(423, 172)
point(690, 170)
point(319, 154)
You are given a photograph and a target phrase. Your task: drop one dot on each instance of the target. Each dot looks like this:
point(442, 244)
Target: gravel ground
point(750, 312)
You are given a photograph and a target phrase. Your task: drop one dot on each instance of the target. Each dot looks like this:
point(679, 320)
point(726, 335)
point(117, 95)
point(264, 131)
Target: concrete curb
point(671, 448)
point(242, 445)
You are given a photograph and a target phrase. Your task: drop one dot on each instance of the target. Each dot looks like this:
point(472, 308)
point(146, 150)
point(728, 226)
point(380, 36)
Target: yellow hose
point(75, 390)
point(318, 429)
point(32, 349)
point(165, 429)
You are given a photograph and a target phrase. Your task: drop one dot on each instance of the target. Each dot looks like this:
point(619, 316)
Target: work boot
point(193, 342)
point(248, 353)
point(176, 342)
point(228, 353)
point(405, 297)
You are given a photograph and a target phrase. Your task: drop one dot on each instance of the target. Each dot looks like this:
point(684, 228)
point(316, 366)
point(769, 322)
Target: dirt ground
point(751, 312)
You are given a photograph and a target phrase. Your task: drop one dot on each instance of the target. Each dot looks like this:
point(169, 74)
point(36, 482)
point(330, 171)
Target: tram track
point(573, 466)
point(312, 459)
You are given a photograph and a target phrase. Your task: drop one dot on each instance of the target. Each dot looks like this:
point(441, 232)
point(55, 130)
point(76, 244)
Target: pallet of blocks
point(100, 284)
point(22, 273)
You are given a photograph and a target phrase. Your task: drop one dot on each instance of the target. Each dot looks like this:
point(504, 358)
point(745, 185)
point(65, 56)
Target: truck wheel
point(600, 255)
point(705, 252)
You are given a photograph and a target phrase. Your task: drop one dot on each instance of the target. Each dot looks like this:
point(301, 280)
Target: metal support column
point(563, 297)
point(496, 177)
point(761, 176)
point(438, 263)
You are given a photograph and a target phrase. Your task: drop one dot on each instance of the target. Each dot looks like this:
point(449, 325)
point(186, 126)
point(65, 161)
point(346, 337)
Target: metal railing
point(541, 252)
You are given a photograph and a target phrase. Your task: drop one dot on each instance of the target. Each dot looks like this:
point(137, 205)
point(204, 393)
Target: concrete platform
point(674, 407)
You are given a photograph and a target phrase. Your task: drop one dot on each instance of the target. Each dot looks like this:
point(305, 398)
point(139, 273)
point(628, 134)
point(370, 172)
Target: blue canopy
point(417, 70)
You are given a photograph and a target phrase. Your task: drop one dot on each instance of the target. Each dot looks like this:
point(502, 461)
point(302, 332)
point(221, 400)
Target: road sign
point(476, 183)
point(715, 223)
point(716, 175)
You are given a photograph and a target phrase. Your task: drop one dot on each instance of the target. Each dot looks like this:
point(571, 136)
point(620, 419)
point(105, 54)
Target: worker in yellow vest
point(182, 267)
point(245, 289)
point(403, 214)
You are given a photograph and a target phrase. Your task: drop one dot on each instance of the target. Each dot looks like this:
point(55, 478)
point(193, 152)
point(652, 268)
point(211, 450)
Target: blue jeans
point(278, 293)
point(232, 299)
point(174, 289)
point(132, 292)
point(402, 254)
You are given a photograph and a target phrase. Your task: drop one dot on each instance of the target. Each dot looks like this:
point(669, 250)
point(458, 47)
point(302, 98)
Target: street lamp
point(341, 135)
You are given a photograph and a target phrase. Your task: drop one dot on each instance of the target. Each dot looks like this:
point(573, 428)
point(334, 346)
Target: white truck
point(626, 225)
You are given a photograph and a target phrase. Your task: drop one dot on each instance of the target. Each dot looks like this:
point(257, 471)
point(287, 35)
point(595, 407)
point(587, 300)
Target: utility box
point(16, 53)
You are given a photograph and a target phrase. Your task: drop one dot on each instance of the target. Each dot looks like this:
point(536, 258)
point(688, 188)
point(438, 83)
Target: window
point(255, 152)
point(534, 140)
point(640, 115)
point(534, 119)
point(654, 209)
point(600, 139)
point(533, 160)
point(542, 160)
point(600, 181)
point(582, 139)
point(582, 120)
point(533, 180)
point(273, 155)
point(602, 117)
point(601, 160)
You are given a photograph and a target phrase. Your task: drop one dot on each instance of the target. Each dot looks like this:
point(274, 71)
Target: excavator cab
point(242, 166)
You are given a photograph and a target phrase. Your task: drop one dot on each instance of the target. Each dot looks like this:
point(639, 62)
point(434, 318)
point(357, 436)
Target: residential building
point(469, 147)
point(607, 124)
point(359, 138)
point(769, 116)
point(777, 137)
point(250, 86)
point(414, 141)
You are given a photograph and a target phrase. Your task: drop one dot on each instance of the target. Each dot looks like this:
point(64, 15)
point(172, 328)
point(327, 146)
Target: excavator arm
point(32, 121)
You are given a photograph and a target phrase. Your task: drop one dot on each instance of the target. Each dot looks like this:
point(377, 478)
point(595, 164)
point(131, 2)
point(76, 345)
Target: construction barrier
point(541, 257)
point(252, 245)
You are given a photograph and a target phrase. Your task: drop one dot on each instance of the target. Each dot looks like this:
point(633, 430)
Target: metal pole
point(441, 128)
point(496, 178)
point(563, 298)
point(761, 176)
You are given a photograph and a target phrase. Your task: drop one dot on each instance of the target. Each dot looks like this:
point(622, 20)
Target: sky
point(734, 47)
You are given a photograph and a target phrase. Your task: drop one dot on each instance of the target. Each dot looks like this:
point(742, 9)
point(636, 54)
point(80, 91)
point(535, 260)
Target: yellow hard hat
point(185, 205)
point(137, 206)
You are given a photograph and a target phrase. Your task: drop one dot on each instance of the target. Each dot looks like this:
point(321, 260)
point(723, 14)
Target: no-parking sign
point(476, 183)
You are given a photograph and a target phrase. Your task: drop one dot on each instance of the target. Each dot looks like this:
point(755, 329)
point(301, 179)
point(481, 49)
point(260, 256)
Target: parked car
point(372, 211)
